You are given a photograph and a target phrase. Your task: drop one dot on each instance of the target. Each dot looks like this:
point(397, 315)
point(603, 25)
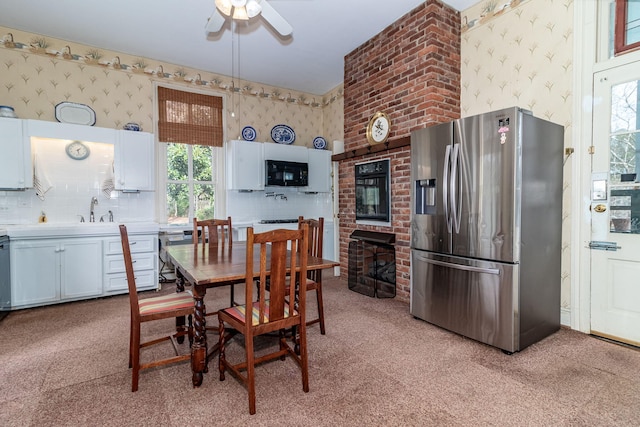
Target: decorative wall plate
point(283, 134)
point(132, 127)
point(77, 114)
point(248, 133)
point(319, 142)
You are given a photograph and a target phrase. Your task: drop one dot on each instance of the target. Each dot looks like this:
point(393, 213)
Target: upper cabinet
point(15, 161)
point(133, 154)
point(319, 171)
point(289, 153)
point(134, 161)
point(245, 165)
point(55, 130)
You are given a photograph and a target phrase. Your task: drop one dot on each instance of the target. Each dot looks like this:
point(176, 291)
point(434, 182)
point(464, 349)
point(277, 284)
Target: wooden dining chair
point(216, 233)
point(314, 277)
point(148, 309)
point(284, 308)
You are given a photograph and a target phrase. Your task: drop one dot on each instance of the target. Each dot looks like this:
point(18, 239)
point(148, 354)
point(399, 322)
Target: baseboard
point(565, 317)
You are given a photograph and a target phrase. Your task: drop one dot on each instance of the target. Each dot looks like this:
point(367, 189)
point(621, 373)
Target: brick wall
point(411, 71)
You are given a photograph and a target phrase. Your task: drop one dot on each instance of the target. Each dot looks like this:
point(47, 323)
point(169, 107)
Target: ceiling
point(172, 31)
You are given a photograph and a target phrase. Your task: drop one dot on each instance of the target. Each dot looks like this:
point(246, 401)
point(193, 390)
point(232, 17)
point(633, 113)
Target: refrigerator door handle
point(462, 267)
point(445, 186)
point(455, 206)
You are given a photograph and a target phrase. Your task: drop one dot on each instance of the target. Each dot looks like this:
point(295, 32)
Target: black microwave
point(286, 174)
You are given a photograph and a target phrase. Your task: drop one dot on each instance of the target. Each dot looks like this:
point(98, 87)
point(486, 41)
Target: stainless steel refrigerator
point(486, 227)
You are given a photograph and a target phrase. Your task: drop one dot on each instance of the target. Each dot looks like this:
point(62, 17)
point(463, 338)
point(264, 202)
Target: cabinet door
point(135, 160)
point(35, 273)
point(319, 171)
point(15, 161)
point(328, 251)
point(245, 165)
point(289, 153)
point(81, 268)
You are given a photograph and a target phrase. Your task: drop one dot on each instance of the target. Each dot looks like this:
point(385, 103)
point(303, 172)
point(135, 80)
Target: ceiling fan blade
point(275, 19)
point(215, 23)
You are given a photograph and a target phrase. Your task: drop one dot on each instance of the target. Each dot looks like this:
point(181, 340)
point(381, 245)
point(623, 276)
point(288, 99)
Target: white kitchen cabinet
point(52, 270)
point(134, 161)
point(80, 268)
point(15, 161)
point(319, 172)
point(290, 153)
point(144, 254)
point(328, 251)
point(245, 165)
point(56, 130)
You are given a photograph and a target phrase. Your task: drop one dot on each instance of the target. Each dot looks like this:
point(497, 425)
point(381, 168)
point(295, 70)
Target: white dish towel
point(40, 181)
point(108, 184)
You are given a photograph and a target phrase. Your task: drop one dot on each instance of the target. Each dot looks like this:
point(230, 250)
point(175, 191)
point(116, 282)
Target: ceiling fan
point(244, 10)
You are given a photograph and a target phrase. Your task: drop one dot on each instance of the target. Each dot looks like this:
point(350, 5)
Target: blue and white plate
point(319, 142)
point(248, 133)
point(283, 134)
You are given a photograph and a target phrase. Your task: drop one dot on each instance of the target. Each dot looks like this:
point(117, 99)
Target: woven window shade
point(189, 118)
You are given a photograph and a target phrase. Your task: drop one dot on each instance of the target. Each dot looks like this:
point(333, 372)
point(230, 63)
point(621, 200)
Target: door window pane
point(624, 144)
point(625, 135)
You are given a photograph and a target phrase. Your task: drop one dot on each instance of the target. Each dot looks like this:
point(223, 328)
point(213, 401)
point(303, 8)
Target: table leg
point(199, 347)
point(180, 321)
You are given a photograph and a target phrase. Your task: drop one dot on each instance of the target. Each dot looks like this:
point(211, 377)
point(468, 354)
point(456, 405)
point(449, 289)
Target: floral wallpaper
point(520, 53)
point(40, 72)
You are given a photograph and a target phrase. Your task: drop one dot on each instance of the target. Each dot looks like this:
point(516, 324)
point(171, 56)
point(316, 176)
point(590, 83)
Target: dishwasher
point(5, 277)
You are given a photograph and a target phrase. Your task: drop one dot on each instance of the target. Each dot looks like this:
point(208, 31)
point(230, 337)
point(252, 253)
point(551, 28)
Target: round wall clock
point(77, 150)
point(379, 128)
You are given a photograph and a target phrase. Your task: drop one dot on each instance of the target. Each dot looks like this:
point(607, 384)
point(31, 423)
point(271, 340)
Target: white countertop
point(81, 229)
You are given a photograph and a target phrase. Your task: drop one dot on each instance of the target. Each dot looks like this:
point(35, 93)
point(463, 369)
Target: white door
point(615, 205)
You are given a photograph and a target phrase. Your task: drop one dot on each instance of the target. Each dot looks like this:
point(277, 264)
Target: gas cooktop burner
point(278, 221)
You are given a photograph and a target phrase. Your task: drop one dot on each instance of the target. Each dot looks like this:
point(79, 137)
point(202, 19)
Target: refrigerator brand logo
point(503, 134)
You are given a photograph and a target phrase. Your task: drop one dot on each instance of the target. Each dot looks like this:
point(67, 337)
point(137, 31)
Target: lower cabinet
point(48, 271)
point(144, 255)
point(51, 270)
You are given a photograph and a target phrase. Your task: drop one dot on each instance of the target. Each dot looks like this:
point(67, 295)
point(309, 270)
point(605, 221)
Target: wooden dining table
point(206, 267)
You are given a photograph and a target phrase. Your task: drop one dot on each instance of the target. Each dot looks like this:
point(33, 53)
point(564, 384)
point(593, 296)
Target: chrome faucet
point(94, 201)
point(110, 214)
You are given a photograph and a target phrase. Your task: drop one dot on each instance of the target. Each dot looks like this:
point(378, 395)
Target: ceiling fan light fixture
point(253, 8)
point(240, 13)
point(224, 6)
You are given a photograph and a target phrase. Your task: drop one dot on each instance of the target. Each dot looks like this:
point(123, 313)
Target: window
point(627, 26)
point(190, 128)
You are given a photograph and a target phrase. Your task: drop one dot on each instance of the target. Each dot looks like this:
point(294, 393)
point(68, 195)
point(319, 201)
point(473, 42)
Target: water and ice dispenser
point(425, 196)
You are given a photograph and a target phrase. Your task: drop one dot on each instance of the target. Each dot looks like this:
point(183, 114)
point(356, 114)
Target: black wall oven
point(373, 192)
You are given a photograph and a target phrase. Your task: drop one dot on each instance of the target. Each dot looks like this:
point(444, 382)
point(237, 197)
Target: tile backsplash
point(289, 204)
point(72, 185)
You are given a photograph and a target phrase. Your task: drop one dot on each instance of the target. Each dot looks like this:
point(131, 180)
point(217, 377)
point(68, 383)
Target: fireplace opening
point(372, 264)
